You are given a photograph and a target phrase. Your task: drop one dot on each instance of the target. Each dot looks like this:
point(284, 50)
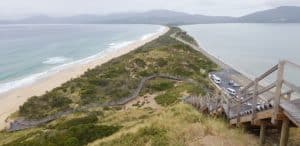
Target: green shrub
point(78, 135)
point(166, 99)
point(73, 141)
point(162, 62)
point(145, 136)
point(37, 107)
point(161, 86)
point(77, 121)
point(139, 62)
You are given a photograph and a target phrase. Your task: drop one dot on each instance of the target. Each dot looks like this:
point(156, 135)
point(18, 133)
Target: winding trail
point(21, 124)
point(137, 91)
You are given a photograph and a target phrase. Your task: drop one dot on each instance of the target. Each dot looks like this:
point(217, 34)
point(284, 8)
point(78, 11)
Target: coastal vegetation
point(184, 36)
point(120, 77)
point(72, 132)
point(93, 122)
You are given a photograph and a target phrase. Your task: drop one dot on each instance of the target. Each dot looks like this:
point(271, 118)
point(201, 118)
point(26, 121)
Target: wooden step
point(292, 111)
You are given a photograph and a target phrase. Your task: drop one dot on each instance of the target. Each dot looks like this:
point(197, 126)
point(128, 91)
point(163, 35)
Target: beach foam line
point(30, 79)
point(56, 60)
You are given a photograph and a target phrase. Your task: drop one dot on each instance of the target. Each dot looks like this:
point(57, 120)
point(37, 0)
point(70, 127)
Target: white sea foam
point(4, 87)
point(112, 44)
point(56, 60)
point(112, 47)
point(149, 35)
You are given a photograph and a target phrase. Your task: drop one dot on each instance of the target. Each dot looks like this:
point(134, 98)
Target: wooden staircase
point(268, 106)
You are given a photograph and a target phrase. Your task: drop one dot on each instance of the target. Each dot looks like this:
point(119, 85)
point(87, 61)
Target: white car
point(216, 79)
point(231, 91)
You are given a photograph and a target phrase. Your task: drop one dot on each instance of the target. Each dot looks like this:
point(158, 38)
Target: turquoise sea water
point(30, 52)
point(251, 48)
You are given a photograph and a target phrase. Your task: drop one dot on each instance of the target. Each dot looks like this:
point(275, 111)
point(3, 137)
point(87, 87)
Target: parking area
point(228, 84)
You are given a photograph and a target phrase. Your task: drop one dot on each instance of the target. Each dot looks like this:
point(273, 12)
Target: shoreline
point(16, 97)
point(238, 76)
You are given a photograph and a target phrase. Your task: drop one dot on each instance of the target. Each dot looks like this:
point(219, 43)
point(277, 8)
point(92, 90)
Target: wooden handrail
point(269, 87)
point(293, 64)
point(267, 73)
point(294, 87)
point(261, 91)
point(287, 92)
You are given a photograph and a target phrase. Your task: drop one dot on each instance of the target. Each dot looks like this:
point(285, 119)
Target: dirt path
point(143, 102)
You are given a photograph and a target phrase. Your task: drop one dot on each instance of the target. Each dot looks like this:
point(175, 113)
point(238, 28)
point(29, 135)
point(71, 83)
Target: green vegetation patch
point(167, 98)
point(183, 35)
point(77, 121)
point(71, 132)
point(145, 136)
point(38, 107)
point(73, 136)
point(159, 85)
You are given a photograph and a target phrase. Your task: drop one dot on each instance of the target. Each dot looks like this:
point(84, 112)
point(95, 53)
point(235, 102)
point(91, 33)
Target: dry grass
point(177, 125)
point(294, 137)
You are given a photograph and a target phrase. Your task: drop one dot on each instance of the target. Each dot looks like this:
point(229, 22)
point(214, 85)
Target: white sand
point(11, 100)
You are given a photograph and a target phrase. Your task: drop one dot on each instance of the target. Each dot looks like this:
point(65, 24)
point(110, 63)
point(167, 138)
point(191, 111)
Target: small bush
point(166, 99)
point(145, 136)
point(78, 135)
point(161, 85)
point(139, 62)
point(73, 122)
point(162, 62)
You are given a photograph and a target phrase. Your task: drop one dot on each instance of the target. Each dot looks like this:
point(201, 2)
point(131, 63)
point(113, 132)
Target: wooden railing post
point(254, 101)
point(289, 96)
point(279, 83)
point(262, 134)
point(228, 107)
point(284, 132)
point(238, 113)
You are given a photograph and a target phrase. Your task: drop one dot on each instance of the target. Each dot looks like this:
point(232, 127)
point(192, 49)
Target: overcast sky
point(13, 9)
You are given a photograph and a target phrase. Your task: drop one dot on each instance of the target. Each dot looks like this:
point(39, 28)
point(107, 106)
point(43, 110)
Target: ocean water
point(251, 48)
point(31, 52)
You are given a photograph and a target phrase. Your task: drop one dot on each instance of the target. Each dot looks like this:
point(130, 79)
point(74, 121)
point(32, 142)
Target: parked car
point(231, 91)
point(216, 79)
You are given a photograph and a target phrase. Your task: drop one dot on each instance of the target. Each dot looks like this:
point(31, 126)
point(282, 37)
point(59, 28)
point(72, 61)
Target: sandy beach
point(11, 100)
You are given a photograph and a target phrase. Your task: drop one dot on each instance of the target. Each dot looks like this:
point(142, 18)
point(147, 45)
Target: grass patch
point(70, 132)
point(73, 136)
point(77, 121)
point(158, 85)
point(176, 125)
point(167, 99)
point(144, 136)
